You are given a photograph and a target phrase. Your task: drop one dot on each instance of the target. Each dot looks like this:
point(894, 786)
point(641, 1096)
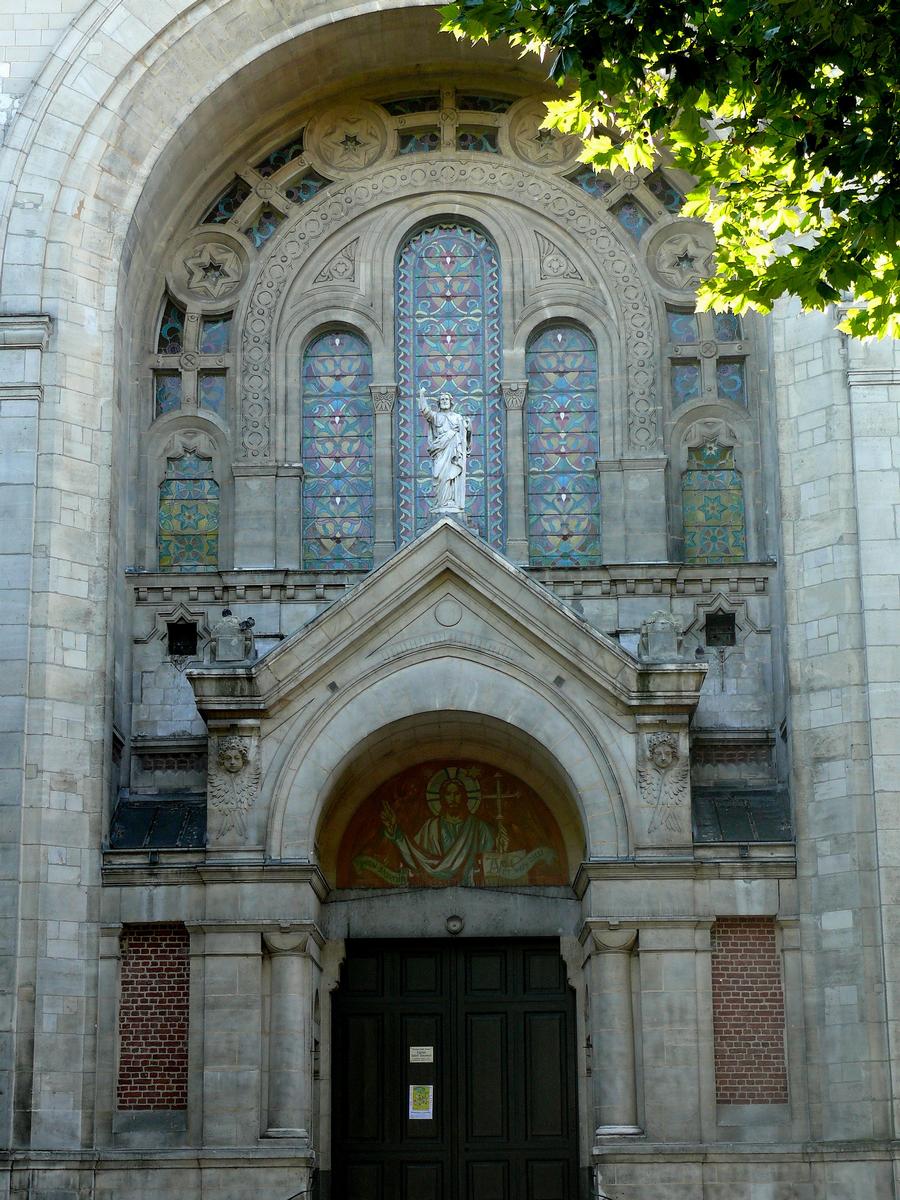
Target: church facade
point(450, 691)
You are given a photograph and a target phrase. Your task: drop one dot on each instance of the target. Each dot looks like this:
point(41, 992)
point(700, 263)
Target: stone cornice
point(645, 869)
point(174, 868)
point(25, 332)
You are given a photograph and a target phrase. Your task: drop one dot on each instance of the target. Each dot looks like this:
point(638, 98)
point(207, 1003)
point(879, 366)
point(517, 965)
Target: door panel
point(489, 1026)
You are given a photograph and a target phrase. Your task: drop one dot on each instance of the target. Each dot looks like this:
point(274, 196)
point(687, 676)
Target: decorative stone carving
point(540, 147)
point(208, 268)
point(514, 395)
point(664, 778)
point(590, 224)
point(711, 431)
point(346, 139)
point(232, 639)
point(342, 268)
point(682, 257)
point(555, 263)
point(233, 785)
point(661, 638)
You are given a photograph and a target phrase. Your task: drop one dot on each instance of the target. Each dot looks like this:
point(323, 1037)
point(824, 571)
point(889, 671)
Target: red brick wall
point(748, 1012)
point(153, 1017)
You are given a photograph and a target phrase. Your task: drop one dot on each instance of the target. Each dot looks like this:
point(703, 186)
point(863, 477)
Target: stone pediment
point(447, 594)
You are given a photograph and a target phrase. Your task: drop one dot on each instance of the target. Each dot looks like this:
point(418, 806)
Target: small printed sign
point(421, 1101)
point(421, 1054)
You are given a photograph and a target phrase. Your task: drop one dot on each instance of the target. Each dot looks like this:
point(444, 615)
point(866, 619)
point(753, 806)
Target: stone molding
point(24, 332)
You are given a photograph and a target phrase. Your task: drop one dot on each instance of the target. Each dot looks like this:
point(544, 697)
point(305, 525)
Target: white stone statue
point(449, 439)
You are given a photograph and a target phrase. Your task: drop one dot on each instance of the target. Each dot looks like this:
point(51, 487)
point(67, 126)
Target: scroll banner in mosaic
point(563, 444)
point(448, 338)
point(713, 503)
point(337, 433)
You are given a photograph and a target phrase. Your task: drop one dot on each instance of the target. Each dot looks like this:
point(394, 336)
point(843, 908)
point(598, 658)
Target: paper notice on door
point(421, 1054)
point(421, 1102)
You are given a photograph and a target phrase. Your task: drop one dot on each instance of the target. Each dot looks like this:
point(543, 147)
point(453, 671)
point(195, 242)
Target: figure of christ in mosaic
point(449, 441)
point(437, 825)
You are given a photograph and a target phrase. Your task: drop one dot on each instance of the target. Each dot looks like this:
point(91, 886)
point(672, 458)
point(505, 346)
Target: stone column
point(383, 399)
point(514, 393)
point(288, 524)
point(293, 964)
point(612, 1031)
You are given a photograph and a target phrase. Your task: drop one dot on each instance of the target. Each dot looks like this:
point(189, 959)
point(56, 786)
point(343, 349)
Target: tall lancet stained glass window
point(337, 428)
point(448, 338)
point(712, 496)
point(189, 515)
point(563, 433)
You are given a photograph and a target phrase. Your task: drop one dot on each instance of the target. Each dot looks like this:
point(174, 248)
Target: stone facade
point(688, 654)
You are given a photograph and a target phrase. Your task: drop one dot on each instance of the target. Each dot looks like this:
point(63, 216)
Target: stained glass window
point(668, 195)
point(167, 389)
point(727, 327)
point(228, 203)
point(211, 390)
point(448, 338)
point(589, 181)
point(471, 137)
point(305, 188)
point(713, 506)
point(337, 432)
point(682, 326)
point(281, 157)
point(264, 226)
point(491, 104)
point(563, 431)
point(406, 105)
point(730, 380)
point(189, 515)
point(171, 330)
point(685, 380)
point(420, 141)
point(632, 218)
point(215, 334)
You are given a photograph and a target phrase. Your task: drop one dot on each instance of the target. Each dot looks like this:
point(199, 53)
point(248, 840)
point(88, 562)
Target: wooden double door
point(454, 1073)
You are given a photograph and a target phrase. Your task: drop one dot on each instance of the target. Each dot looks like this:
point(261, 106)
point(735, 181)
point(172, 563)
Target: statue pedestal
point(460, 518)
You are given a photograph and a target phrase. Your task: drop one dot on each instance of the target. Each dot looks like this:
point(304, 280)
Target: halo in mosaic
point(407, 105)
point(188, 515)
point(337, 446)
point(712, 495)
point(685, 381)
point(727, 327)
point(215, 334)
point(264, 226)
point(211, 390)
point(448, 338)
point(480, 103)
point(420, 141)
point(682, 326)
point(589, 181)
point(632, 218)
point(666, 193)
point(731, 380)
point(228, 203)
point(167, 391)
point(171, 329)
point(282, 156)
point(471, 137)
point(305, 188)
point(563, 432)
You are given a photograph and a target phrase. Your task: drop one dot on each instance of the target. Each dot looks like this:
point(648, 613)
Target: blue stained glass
point(406, 105)
point(215, 334)
point(713, 506)
point(471, 138)
point(563, 439)
point(589, 181)
point(668, 195)
point(632, 218)
point(171, 330)
point(420, 141)
point(188, 519)
point(337, 433)
point(228, 203)
point(685, 381)
point(167, 387)
point(264, 226)
point(212, 390)
point(682, 326)
point(448, 338)
point(281, 157)
point(491, 104)
point(727, 327)
point(302, 190)
point(730, 380)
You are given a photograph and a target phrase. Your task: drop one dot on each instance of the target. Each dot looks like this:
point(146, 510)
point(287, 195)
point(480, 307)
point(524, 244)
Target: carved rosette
point(537, 146)
point(681, 258)
point(208, 268)
point(346, 139)
point(341, 268)
point(555, 263)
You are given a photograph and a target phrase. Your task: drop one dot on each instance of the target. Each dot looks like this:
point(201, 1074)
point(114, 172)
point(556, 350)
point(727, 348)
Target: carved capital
point(514, 393)
point(287, 942)
point(384, 397)
point(612, 941)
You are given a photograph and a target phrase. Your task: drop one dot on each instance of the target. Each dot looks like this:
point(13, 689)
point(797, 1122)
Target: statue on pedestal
point(449, 441)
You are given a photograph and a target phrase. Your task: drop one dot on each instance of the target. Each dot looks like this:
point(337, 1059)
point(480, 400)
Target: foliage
point(785, 112)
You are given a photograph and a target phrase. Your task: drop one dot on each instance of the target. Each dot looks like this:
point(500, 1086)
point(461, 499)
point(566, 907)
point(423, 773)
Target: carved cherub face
point(663, 753)
point(232, 756)
point(444, 401)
